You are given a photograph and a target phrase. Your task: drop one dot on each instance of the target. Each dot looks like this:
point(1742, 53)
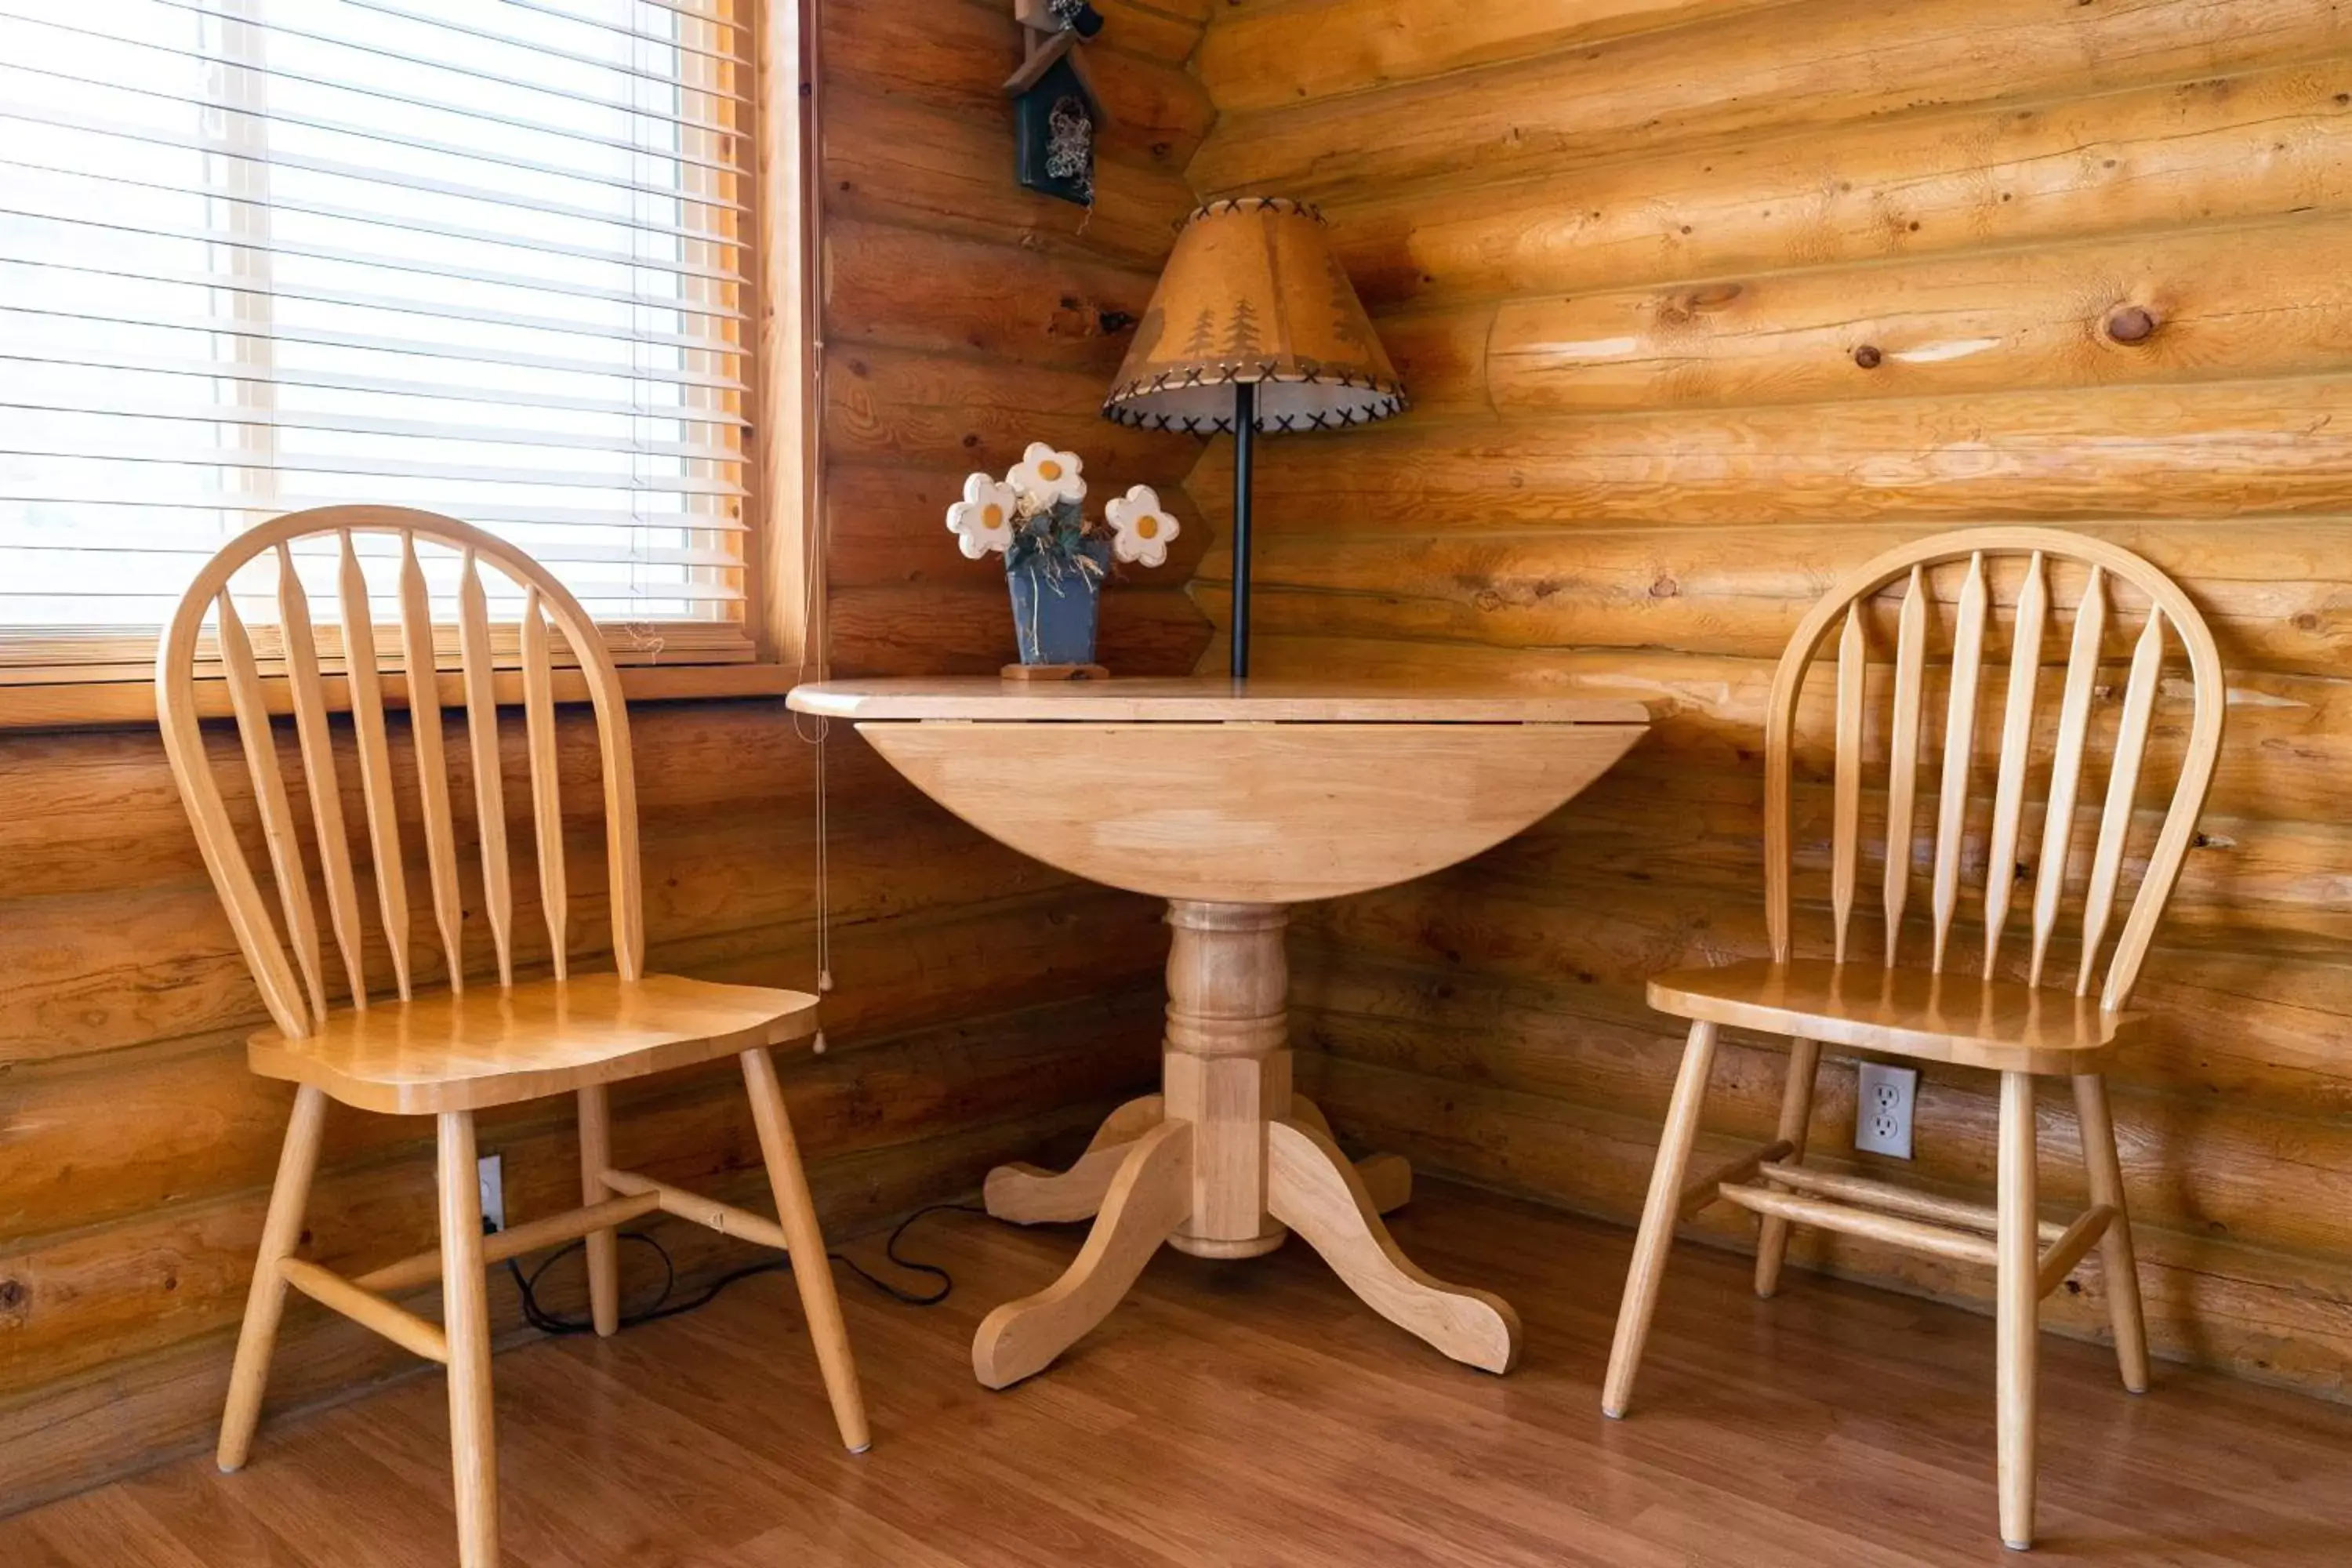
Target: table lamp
point(1253, 327)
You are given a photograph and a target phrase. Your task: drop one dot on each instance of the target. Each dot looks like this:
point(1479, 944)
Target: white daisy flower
point(1142, 528)
point(982, 521)
point(1046, 476)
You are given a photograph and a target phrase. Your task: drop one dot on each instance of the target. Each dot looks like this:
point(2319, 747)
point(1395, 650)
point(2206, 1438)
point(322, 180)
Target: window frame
point(782, 621)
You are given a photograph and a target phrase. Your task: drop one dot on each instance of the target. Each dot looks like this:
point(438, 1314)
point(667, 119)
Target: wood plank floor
point(1254, 1413)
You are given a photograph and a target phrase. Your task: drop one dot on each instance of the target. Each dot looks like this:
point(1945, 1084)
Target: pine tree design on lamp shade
point(1277, 340)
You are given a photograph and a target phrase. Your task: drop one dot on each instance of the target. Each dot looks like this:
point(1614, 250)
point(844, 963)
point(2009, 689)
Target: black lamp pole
point(1245, 428)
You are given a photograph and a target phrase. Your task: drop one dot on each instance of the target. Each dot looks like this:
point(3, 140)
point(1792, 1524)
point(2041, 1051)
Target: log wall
point(1628, 254)
point(987, 1007)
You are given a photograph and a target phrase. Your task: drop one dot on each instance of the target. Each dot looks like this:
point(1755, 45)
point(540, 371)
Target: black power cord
point(547, 1322)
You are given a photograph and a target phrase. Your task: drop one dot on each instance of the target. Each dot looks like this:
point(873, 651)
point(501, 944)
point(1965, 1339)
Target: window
point(490, 260)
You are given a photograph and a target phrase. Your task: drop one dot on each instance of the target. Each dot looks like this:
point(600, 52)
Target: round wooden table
point(1233, 801)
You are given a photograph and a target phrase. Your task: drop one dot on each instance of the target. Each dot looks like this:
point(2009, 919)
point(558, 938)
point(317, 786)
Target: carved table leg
point(1226, 1162)
point(1150, 1197)
point(1316, 1193)
point(1028, 1194)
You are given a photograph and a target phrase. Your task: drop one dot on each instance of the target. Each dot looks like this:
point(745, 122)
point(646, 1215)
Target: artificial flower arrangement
point(1054, 557)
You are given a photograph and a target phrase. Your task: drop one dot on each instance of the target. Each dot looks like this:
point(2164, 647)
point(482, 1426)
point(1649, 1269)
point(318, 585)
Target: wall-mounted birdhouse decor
point(1058, 110)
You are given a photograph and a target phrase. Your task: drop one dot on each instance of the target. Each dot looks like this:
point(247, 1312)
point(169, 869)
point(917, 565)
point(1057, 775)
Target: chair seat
point(1961, 1018)
point(494, 1045)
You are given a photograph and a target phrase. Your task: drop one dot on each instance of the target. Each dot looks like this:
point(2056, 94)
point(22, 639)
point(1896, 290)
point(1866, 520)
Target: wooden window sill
point(85, 704)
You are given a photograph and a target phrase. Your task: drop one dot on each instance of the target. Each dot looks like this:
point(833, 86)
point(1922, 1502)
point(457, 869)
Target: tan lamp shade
point(1253, 293)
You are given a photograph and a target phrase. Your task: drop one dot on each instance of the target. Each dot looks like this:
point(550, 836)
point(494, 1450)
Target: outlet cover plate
point(491, 1177)
point(1883, 1099)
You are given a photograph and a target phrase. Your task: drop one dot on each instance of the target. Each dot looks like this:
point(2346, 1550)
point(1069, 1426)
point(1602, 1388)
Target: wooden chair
point(450, 1052)
point(2013, 1027)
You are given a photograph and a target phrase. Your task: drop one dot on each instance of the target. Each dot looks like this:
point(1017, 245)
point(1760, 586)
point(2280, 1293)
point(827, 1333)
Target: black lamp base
point(1244, 432)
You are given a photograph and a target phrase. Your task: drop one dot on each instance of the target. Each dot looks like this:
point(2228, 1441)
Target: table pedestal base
point(1224, 1162)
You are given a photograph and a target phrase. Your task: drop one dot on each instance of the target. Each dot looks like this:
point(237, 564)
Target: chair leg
point(2017, 1246)
point(2121, 1271)
point(603, 1246)
point(812, 1271)
point(1657, 1232)
point(466, 1319)
point(265, 1301)
point(1796, 1116)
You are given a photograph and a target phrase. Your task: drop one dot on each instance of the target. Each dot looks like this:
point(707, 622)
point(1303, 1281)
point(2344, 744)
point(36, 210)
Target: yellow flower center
point(991, 516)
point(1147, 527)
point(1049, 469)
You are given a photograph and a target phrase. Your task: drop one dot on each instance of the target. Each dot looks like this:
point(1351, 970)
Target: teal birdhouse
point(1058, 110)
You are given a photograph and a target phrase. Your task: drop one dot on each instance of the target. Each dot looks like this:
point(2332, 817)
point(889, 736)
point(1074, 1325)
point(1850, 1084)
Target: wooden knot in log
point(1868, 357)
point(2131, 323)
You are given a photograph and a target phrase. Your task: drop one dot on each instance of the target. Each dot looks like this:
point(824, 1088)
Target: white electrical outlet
point(1883, 1102)
point(492, 1181)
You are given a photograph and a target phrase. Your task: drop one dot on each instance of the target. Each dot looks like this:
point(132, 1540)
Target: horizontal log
point(894, 287)
point(2262, 144)
point(90, 974)
point(134, 1412)
point(902, 405)
point(2225, 304)
point(967, 629)
point(2212, 450)
point(95, 1138)
point(94, 1296)
point(954, 58)
point(2209, 1299)
point(1780, 68)
point(887, 526)
point(1166, 30)
point(2287, 752)
point(893, 160)
point(2218, 1024)
point(1280, 54)
point(2276, 592)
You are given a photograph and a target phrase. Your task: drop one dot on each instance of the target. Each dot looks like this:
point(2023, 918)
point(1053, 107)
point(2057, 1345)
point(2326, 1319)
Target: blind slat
point(683, 267)
point(45, 400)
point(197, 498)
point(389, 261)
point(721, 56)
point(442, 311)
point(225, 457)
point(376, 342)
point(279, 376)
point(223, 147)
point(487, 154)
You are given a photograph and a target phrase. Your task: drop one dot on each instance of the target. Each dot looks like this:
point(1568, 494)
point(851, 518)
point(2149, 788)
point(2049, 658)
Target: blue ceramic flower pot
point(1054, 608)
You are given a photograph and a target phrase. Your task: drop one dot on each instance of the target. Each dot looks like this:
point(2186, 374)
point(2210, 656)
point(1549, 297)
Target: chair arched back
point(1842, 610)
point(295, 989)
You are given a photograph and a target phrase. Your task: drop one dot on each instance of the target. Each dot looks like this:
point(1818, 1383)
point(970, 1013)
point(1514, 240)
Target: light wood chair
point(452, 1051)
point(2013, 1025)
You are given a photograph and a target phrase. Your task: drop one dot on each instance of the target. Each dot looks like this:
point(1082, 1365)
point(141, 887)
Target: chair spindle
point(318, 775)
point(2123, 785)
point(278, 829)
point(1903, 753)
point(474, 657)
point(1959, 749)
point(432, 761)
point(2016, 754)
point(546, 788)
point(1846, 829)
point(375, 762)
point(2066, 766)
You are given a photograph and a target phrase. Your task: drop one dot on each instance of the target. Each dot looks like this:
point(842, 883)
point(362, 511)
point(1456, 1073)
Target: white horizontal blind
point(485, 257)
